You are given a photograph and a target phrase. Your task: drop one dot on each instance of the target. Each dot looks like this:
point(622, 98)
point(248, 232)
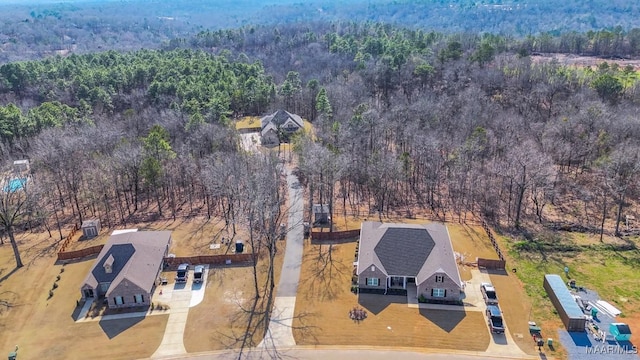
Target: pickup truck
point(489, 294)
point(198, 274)
point(494, 318)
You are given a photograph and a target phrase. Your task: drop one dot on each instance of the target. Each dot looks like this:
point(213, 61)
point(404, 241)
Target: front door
point(397, 282)
point(88, 293)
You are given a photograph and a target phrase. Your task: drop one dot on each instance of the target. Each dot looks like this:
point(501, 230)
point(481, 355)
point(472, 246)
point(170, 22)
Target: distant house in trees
point(90, 228)
point(21, 166)
point(127, 268)
point(279, 126)
point(396, 258)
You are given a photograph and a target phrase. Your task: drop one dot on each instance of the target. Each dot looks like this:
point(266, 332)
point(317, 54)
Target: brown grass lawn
point(471, 242)
point(191, 236)
point(44, 329)
point(324, 300)
point(219, 321)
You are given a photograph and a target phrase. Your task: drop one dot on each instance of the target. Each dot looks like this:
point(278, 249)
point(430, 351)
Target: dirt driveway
point(250, 141)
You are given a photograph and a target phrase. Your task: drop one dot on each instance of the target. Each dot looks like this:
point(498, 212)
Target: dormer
point(108, 264)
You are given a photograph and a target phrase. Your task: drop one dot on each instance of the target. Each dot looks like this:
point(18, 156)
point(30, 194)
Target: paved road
point(350, 354)
point(279, 333)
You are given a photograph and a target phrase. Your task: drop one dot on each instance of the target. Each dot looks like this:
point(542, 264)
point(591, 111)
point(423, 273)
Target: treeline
point(200, 86)
point(455, 124)
point(32, 31)
point(612, 43)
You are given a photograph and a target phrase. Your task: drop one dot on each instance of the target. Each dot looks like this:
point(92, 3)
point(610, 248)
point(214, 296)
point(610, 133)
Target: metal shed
point(321, 213)
point(91, 228)
point(569, 311)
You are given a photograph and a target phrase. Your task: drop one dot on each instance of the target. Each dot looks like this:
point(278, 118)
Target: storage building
point(569, 311)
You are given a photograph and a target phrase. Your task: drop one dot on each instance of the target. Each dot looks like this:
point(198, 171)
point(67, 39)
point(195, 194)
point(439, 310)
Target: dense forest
point(31, 30)
point(456, 124)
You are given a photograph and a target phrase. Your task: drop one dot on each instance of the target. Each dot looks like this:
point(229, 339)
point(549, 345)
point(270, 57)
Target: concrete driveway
point(279, 333)
point(178, 297)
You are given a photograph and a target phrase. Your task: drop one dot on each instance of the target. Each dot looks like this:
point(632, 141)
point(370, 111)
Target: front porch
point(397, 285)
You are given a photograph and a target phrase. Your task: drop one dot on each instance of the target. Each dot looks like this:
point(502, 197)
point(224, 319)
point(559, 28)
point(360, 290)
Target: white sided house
point(127, 268)
point(393, 257)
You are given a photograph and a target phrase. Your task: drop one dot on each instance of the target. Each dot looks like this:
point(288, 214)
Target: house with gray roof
point(393, 257)
point(279, 124)
point(127, 268)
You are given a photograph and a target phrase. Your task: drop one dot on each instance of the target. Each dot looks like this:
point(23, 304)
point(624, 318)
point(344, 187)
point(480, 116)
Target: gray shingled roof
point(137, 258)
point(279, 118)
point(403, 251)
point(407, 250)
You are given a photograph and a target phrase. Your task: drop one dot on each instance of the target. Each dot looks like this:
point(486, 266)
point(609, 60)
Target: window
point(438, 292)
point(439, 278)
point(118, 300)
point(373, 281)
point(138, 299)
point(373, 268)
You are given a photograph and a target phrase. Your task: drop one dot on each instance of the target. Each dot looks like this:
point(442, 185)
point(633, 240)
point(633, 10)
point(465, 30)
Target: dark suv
point(494, 318)
point(489, 294)
point(183, 273)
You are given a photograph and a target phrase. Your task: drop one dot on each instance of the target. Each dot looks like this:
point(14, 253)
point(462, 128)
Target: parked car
point(198, 274)
point(494, 318)
point(489, 294)
point(183, 273)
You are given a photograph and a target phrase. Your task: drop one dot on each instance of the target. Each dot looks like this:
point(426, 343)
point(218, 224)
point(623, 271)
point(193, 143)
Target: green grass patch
point(613, 273)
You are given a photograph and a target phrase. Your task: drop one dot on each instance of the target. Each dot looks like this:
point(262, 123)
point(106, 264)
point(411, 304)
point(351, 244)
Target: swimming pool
point(15, 184)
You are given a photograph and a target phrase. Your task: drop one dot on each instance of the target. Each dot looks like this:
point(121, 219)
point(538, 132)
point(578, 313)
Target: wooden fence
point(486, 228)
point(491, 264)
point(228, 259)
point(66, 241)
point(335, 236)
point(77, 254)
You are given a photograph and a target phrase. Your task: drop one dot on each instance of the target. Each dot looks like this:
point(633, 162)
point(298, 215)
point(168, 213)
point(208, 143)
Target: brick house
point(395, 257)
point(127, 268)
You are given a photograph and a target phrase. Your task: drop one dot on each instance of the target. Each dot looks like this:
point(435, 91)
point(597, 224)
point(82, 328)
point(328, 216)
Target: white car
point(489, 294)
point(198, 274)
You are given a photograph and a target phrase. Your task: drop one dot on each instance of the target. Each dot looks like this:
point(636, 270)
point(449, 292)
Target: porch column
point(404, 282)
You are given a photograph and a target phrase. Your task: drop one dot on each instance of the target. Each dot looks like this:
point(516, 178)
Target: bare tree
point(15, 203)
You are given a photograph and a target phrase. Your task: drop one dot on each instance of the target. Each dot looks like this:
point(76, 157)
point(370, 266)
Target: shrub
point(354, 289)
point(50, 294)
point(55, 286)
point(62, 269)
point(58, 278)
point(422, 299)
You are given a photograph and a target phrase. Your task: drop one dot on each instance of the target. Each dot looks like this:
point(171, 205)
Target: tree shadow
point(375, 303)
point(446, 320)
point(6, 276)
point(113, 328)
point(328, 270)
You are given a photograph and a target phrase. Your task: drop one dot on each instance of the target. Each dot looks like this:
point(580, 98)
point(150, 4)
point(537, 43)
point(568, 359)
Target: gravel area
point(584, 346)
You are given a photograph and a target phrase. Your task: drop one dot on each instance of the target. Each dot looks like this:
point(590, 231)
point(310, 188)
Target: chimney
point(108, 264)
